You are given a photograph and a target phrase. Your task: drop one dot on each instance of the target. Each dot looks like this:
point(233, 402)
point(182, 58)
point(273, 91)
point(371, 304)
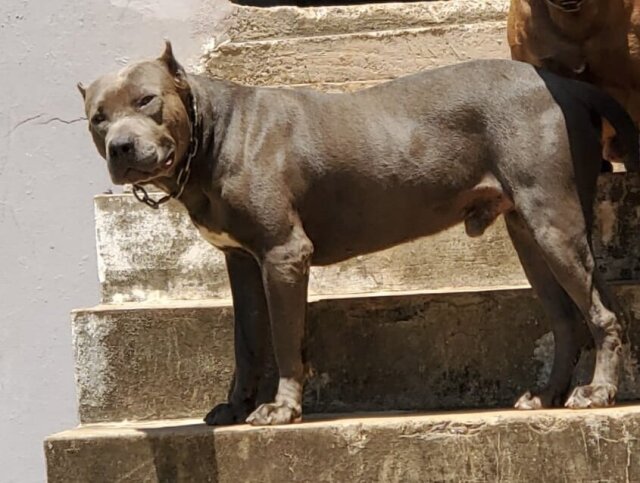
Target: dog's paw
point(549, 397)
point(226, 414)
point(275, 413)
point(528, 401)
point(592, 396)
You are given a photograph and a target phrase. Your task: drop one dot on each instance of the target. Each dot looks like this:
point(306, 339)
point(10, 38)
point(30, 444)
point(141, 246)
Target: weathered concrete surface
point(420, 351)
point(49, 172)
point(251, 23)
point(355, 57)
point(149, 255)
point(561, 445)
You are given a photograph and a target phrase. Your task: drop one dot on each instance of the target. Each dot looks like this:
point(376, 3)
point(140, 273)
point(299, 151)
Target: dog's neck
point(212, 100)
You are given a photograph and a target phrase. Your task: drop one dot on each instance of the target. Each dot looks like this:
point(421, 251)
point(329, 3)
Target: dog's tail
point(619, 132)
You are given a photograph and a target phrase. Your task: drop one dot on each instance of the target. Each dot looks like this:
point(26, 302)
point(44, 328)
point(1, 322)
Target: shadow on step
point(191, 453)
point(174, 458)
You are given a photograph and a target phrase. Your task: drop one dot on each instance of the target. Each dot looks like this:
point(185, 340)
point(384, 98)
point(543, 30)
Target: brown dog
point(597, 41)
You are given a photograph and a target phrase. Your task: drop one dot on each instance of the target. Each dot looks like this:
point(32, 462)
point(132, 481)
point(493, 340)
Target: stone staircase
point(445, 324)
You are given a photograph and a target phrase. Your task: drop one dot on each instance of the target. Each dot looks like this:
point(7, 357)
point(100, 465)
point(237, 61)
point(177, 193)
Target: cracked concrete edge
point(253, 23)
point(149, 255)
point(560, 445)
point(440, 350)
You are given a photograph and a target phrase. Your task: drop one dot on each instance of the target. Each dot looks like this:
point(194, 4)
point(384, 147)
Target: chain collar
point(185, 170)
point(569, 6)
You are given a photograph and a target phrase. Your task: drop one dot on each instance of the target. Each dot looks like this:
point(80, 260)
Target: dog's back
point(424, 138)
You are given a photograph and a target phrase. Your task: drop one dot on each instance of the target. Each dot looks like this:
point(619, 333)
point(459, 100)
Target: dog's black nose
point(121, 147)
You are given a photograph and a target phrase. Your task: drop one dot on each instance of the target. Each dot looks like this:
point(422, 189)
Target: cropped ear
point(83, 90)
point(172, 65)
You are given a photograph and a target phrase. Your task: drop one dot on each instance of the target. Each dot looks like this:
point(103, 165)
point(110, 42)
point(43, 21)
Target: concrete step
point(149, 255)
point(252, 23)
point(416, 351)
point(559, 445)
point(146, 255)
point(362, 56)
point(357, 43)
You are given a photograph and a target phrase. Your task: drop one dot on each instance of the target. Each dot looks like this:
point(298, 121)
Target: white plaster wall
point(49, 172)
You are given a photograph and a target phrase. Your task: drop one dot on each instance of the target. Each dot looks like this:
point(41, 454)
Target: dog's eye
point(146, 100)
point(98, 118)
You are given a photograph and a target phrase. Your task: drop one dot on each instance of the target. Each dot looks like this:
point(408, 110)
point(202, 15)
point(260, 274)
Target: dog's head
point(139, 118)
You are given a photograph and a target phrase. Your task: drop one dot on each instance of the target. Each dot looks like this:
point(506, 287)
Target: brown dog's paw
point(275, 413)
point(592, 396)
point(226, 414)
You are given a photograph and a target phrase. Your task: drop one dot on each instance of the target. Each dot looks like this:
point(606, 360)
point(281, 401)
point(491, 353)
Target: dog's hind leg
point(568, 325)
point(606, 324)
point(251, 333)
point(560, 231)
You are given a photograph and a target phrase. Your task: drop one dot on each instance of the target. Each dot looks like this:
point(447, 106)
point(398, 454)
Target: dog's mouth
point(143, 174)
point(135, 175)
point(169, 159)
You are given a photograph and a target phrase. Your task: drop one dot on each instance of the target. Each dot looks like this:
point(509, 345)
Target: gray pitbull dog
point(283, 179)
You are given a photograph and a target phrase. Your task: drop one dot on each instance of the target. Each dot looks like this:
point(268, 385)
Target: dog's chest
point(218, 239)
point(204, 216)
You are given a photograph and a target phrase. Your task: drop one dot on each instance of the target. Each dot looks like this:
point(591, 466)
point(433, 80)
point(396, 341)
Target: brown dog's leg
point(568, 325)
point(561, 234)
point(285, 271)
point(251, 325)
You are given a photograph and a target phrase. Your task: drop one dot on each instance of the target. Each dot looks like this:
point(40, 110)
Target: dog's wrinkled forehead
point(123, 88)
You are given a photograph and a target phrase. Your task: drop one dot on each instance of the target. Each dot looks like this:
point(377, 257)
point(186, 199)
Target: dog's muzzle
point(185, 170)
point(131, 159)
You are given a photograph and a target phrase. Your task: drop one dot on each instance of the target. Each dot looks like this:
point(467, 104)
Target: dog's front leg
point(285, 273)
point(251, 323)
